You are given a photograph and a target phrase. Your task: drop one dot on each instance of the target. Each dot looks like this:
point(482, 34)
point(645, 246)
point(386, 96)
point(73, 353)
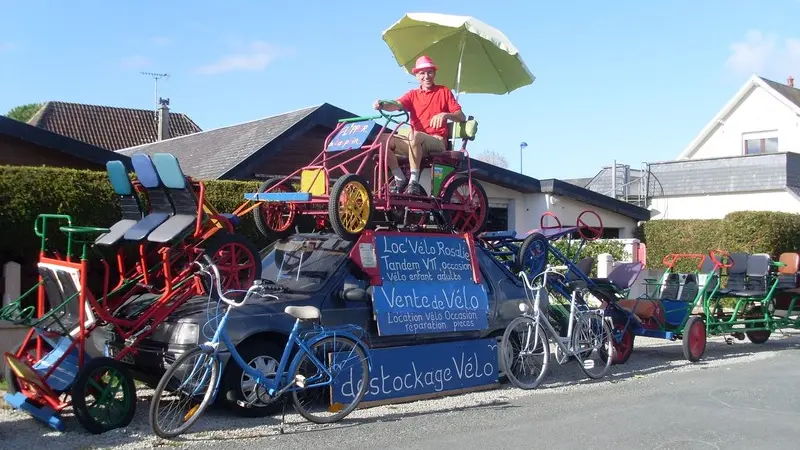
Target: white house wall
point(717, 206)
point(525, 210)
point(759, 112)
point(567, 211)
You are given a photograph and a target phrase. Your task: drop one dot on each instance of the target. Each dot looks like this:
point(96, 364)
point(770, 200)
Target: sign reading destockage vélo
point(427, 286)
point(415, 370)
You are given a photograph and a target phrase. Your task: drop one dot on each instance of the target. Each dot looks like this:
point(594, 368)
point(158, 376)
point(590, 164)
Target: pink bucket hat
point(423, 62)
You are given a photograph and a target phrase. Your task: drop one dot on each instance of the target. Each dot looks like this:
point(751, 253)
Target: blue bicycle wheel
point(186, 390)
point(533, 254)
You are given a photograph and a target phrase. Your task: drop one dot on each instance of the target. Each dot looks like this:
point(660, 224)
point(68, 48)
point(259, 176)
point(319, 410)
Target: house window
point(755, 146)
point(498, 219)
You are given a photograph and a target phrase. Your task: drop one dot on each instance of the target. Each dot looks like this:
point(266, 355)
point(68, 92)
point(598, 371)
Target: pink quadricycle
point(336, 190)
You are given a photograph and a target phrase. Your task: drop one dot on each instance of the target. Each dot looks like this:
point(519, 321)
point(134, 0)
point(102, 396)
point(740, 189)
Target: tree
point(493, 157)
point(23, 113)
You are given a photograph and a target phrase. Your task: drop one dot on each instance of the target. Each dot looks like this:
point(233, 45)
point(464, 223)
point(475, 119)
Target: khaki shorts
point(429, 144)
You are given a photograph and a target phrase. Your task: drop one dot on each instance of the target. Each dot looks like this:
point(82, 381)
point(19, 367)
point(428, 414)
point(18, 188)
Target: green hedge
point(87, 196)
point(590, 248)
point(747, 231)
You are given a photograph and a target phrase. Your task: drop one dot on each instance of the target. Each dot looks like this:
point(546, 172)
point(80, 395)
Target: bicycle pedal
point(243, 404)
point(300, 381)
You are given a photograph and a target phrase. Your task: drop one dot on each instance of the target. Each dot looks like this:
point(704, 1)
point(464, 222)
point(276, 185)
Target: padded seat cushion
point(115, 233)
point(171, 228)
point(303, 312)
point(645, 308)
point(145, 226)
point(747, 293)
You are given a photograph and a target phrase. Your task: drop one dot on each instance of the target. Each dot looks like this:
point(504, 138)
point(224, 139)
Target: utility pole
point(156, 77)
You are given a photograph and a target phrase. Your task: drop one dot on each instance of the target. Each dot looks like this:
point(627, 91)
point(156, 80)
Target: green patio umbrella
point(472, 57)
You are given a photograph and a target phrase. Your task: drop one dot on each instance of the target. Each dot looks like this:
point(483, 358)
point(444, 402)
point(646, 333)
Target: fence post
point(12, 273)
point(605, 263)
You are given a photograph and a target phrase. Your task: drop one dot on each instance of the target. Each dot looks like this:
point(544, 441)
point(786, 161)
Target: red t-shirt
point(423, 105)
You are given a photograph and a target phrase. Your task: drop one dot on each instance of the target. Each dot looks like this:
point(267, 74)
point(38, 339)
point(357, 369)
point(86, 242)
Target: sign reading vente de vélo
point(428, 286)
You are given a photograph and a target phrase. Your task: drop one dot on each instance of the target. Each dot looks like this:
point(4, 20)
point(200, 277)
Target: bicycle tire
point(162, 385)
point(344, 412)
point(506, 352)
point(608, 338)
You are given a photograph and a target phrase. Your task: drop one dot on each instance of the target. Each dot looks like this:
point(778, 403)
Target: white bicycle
point(525, 347)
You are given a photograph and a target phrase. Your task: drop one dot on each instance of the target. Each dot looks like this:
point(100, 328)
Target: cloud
point(135, 62)
point(764, 54)
point(255, 56)
point(161, 41)
point(7, 47)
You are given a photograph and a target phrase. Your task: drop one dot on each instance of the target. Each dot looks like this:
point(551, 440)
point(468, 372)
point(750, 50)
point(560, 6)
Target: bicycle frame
point(563, 343)
point(275, 386)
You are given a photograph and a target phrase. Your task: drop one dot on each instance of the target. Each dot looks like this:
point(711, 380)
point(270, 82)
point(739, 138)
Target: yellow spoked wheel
point(350, 207)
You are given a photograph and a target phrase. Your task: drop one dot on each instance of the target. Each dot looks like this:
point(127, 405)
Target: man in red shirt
point(429, 108)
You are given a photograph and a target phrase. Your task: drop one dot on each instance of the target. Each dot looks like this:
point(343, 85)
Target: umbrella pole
point(462, 44)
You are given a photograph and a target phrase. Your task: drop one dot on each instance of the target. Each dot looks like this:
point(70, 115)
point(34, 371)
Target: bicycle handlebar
point(547, 270)
point(391, 102)
point(215, 279)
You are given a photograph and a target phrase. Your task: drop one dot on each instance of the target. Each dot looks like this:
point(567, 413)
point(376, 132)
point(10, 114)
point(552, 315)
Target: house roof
point(787, 95)
point(765, 172)
point(529, 185)
point(108, 127)
point(224, 152)
point(58, 142)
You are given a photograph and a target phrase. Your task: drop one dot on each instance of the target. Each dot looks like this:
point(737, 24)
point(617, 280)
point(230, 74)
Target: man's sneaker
point(414, 188)
point(398, 186)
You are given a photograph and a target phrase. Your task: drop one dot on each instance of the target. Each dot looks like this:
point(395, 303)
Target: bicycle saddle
point(303, 312)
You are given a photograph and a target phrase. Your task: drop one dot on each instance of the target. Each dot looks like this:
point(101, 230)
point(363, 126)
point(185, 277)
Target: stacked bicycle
point(323, 353)
point(525, 348)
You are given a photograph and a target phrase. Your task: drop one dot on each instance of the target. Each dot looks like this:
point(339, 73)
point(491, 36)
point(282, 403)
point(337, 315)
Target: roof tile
point(108, 127)
point(210, 154)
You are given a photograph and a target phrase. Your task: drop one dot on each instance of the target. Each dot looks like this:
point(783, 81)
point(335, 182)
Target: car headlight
point(180, 333)
point(187, 333)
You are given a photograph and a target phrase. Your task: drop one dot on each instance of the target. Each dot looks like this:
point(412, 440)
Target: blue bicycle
point(192, 381)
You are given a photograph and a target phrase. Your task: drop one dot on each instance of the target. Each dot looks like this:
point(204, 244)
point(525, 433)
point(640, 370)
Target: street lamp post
point(522, 145)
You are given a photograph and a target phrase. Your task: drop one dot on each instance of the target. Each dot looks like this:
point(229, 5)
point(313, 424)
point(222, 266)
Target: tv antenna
point(156, 77)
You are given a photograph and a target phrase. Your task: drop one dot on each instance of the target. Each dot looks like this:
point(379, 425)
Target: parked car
point(260, 328)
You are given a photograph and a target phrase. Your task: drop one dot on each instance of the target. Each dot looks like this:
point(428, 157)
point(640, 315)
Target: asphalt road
point(739, 396)
point(749, 404)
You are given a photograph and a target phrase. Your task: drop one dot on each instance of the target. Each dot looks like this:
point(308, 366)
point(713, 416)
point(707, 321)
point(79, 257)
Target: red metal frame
point(177, 290)
point(673, 258)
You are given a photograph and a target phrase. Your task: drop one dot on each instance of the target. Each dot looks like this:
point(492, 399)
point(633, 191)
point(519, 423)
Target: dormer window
point(761, 142)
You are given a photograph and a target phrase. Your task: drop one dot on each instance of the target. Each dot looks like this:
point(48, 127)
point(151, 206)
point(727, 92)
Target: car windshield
point(304, 263)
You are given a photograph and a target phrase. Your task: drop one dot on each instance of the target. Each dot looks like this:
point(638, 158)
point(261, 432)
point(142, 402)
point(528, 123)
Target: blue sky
point(628, 80)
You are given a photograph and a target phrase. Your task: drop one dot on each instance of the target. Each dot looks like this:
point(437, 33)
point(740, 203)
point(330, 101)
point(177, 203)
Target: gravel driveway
point(651, 358)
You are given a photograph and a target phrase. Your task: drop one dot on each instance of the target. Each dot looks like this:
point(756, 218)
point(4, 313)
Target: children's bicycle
point(525, 340)
point(323, 353)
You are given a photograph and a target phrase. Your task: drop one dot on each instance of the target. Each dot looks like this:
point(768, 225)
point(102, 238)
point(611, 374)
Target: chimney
point(163, 119)
point(790, 81)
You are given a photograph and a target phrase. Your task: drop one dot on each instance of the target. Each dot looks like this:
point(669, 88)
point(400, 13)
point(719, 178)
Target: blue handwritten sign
point(399, 372)
point(352, 136)
point(427, 286)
